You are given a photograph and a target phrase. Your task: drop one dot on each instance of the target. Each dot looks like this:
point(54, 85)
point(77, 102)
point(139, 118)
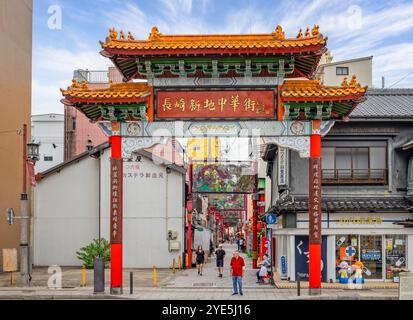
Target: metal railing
point(91, 76)
point(354, 176)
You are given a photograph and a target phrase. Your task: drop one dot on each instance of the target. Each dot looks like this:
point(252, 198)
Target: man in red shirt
point(237, 272)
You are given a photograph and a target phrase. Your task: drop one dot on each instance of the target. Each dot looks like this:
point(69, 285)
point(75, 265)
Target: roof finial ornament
point(279, 33)
point(75, 84)
point(300, 34)
point(113, 34)
point(155, 34)
point(344, 83)
point(314, 30)
point(130, 36)
point(307, 33)
point(122, 35)
point(84, 85)
point(353, 81)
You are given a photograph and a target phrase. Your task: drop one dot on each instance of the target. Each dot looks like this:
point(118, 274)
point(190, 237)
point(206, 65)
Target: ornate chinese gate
point(216, 85)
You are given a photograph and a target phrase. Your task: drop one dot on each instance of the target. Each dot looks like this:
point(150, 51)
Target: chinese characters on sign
point(360, 220)
point(116, 194)
point(134, 171)
point(215, 104)
point(282, 166)
point(314, 200)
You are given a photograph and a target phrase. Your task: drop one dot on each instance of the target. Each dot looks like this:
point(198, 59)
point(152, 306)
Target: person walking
point(241, 244)
point(237, 272)
point(220, 254)
point(200, 259)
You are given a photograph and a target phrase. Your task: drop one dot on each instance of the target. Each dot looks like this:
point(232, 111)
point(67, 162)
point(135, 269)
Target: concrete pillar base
point(116, 291)
point(315, 291)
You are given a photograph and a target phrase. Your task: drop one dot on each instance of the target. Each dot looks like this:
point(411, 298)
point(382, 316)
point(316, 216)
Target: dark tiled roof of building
point(385, 103)
point(346, 204)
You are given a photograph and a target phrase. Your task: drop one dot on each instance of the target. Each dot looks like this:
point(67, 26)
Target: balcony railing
point(354, 176)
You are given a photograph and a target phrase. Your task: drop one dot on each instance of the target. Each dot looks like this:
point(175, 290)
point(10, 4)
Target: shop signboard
point(284, 273)
point(371, 255)
point(302, 258)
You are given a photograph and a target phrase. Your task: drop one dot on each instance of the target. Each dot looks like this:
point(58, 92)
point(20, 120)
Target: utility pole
point(24, 218)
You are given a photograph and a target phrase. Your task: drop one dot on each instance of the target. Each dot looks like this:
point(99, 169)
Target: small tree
point(98, 248)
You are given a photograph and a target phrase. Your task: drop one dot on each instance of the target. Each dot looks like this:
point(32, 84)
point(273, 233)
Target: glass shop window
point(395, 256)
point(371, 256)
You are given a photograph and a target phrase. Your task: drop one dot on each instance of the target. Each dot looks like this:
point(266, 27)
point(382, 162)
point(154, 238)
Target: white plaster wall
point(362, 69)
point(410, 252)
point(201, 238)
point(331, 258)
point(146, 208)
point(66, 213)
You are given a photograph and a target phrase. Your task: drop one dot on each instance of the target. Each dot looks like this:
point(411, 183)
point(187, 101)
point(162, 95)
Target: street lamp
point(33, 151)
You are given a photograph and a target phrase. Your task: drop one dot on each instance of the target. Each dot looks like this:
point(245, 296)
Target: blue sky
point(383, 29)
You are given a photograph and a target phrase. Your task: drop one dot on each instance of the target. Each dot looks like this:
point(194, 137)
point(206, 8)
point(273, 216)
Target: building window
point(342, 71)
point(354, 165)
point(48, 158)
point(73, 124)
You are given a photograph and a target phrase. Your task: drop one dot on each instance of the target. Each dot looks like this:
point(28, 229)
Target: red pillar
point(261, 208)
point(254, 233)
point(116, 211)
point(189, 233)
point(255, 220)
point(315, 209)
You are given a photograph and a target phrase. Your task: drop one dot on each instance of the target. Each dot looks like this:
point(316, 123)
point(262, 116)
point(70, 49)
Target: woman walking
point(200, 259)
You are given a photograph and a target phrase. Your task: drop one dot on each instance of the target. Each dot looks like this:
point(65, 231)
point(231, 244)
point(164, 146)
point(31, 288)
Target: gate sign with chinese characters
point(233, 104)
point(116, 201)
point(315, 189)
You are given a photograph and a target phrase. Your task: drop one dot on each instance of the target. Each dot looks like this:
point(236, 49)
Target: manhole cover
point(203, 284)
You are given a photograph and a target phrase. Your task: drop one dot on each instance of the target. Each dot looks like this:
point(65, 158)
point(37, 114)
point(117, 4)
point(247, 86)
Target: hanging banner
point(222, 104)
point(30, 168)
point(227, 201)
point(116, 200)
point(223, 178)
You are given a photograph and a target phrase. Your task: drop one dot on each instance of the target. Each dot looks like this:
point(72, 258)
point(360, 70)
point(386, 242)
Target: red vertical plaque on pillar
point(315, 200)
point(116, 200)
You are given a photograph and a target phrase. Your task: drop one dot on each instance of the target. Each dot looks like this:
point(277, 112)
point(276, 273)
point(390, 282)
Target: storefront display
point(371, 255)
point(375, 252)
point(395, 256)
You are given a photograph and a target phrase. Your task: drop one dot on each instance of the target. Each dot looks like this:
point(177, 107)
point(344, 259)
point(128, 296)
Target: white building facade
point(48, 132)
point(71, 208)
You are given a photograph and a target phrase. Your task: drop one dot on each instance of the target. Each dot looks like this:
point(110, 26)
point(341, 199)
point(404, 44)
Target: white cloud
point(46, 97)
point(53, 69)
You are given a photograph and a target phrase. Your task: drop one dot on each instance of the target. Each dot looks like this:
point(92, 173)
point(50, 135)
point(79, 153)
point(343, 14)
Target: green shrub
point(95, 249)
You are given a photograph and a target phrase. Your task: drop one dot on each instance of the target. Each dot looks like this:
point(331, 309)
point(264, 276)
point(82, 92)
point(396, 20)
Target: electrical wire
point(400, 79)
